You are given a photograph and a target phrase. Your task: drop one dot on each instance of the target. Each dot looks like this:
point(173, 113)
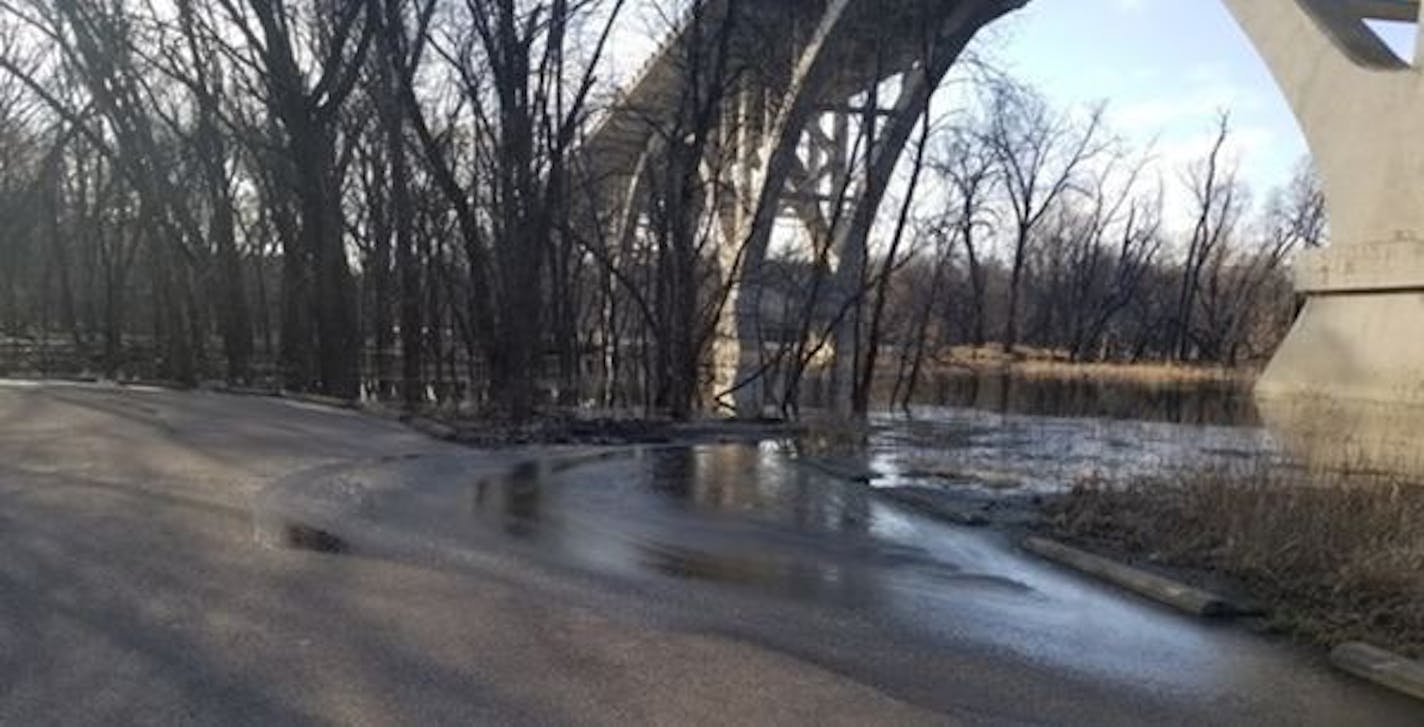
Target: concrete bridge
point(820, 98)
point(1348, 383)
point(824, 95)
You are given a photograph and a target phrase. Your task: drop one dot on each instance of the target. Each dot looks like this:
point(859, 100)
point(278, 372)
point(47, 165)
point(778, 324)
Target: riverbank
point(1332, 558)
point(1044, 363)
point(1325, 567)
point(1045, 384)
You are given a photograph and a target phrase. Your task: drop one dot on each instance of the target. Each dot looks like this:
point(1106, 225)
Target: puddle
point(306, 537)
point(738, 515)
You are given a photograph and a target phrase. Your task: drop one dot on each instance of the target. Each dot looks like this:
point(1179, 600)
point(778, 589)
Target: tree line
point(1048, 233)
point(383, 198)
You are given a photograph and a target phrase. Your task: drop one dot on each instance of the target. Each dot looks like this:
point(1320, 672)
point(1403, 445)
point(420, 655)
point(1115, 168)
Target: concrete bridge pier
point(1347, 386)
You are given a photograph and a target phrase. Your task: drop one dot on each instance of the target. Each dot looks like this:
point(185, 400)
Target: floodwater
point(745, 515)
point(745, 540)
point(733, 513)
point(752, 514)
point(958, 447)
point(742, 515)
point(1206, 402)
point(1003, 435)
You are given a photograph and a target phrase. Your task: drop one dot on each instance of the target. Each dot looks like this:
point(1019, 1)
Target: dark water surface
point(744, 516)
point(958, 447)
point(1214, 403)
point(753, 515)
point(1006, 433)
point(736, 514)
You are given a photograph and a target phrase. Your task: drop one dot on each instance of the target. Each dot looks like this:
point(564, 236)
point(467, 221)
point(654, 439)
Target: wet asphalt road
point(722, 585)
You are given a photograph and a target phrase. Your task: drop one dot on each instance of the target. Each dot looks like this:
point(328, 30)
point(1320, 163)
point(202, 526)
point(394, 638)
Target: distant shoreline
point(1044, 364)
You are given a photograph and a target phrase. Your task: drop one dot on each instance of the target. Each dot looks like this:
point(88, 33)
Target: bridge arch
point(1356, 101)
point(841, 51)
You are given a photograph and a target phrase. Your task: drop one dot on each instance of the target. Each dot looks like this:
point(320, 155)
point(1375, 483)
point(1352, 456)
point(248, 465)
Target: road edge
point(1384, 668)
point(1189, 599)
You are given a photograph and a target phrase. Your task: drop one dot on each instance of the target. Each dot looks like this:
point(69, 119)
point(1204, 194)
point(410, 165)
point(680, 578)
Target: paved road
point(132, 592)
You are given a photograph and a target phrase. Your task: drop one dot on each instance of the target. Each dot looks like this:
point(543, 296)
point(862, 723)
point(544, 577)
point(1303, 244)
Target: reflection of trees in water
point(517, 499)
point(817, 579)
point(807, 534)
point(744, 480)
point(673, 474)
point(1204, 402)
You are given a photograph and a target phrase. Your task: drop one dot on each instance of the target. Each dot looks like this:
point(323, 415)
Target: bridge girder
point(1395, 10)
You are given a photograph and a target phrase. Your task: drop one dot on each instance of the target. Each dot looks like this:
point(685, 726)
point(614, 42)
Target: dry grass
point(1167, 373)
point(1335, 558)
point(1045, 363)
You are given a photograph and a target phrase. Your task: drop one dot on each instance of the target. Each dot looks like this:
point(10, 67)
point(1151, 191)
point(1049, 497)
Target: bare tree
point(1249, 300)
point(393, 198)
point(1218, 202)
point(968, 171)
point(1100, 250)
point(1040, 154)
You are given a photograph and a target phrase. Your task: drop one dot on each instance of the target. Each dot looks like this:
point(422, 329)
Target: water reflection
point(515, 501)
point(1346, 437)
point(959, 447)
point(1207, 402)
point(747, 518)
point(736, 514)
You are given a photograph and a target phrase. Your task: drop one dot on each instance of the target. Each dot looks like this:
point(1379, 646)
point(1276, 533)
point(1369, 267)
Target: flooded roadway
point(717, 585)
point(744, 542)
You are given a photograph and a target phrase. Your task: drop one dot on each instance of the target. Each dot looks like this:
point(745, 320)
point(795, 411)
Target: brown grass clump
point(1047, 363)
point(1335, 558)
point(1156, 373)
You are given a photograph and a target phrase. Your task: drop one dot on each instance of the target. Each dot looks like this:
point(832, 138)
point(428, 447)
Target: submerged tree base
point(1333, 558)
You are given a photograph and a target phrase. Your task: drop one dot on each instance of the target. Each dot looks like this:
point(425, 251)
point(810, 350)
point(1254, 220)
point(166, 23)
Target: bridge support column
point(1347, 386)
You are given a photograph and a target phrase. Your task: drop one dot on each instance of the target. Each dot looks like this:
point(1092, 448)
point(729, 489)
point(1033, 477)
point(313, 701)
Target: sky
point(1165, 68)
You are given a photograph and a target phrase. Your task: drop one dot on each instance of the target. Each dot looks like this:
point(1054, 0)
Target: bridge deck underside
point(879, 39)
point(1397, 10)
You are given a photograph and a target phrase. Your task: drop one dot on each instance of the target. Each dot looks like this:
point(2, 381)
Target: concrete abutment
point(1346, 388)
